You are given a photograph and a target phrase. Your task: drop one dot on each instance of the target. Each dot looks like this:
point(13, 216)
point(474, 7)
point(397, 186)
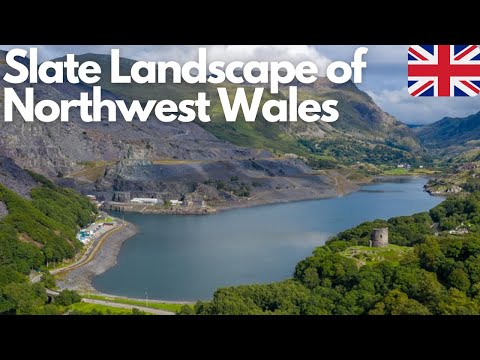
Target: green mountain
point(38, 227)
point(451, 135)
point(38, 223)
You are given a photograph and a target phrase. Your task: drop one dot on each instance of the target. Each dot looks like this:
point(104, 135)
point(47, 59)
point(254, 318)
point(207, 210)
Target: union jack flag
point(444, 70)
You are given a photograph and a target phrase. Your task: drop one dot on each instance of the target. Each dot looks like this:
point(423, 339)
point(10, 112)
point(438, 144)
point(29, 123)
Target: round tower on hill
point(379, 237)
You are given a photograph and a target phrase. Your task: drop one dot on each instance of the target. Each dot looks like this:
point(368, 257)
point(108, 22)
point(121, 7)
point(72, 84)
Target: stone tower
point(379, 237)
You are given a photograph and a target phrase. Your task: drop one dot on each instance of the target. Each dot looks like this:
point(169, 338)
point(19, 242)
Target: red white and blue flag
point(444, 70)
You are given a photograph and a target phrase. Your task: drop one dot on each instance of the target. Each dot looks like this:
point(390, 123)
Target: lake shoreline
point(289, 196)
point(81, 279)
point(358, 186)
point(270, 197)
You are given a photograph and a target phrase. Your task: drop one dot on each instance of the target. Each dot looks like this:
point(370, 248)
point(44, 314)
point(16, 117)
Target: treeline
point(441, 275)
point(234, 186)
point(351, 151)
point(33, 234)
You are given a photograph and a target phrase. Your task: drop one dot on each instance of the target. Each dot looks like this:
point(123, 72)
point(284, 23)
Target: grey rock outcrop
point(3, 210)
point(15, 178)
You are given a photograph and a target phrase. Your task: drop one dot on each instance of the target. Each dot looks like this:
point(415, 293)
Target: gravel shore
point(80, 279)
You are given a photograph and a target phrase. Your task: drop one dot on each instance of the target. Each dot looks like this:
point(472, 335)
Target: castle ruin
point(379, 237)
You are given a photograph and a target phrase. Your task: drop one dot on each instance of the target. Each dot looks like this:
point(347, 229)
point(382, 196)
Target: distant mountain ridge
point(451, 135)
point(360, 117)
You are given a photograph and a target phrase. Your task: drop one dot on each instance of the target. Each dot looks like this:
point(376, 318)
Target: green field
point(403, 171)
point(397, 171)
point(153, 305)
point(107, 219)
point(364, 255)
point(87, 309)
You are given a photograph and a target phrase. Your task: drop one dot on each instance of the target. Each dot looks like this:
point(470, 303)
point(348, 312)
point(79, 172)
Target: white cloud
point(377, 54)
point(423, 110)
point(292, 53)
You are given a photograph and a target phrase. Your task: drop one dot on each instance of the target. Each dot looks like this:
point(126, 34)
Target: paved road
point(90, 253)
point(87, 257)
point(118, 305)
point(127, 306)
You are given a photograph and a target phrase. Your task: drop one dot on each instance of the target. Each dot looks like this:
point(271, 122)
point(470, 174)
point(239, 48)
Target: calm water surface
point(188, 257)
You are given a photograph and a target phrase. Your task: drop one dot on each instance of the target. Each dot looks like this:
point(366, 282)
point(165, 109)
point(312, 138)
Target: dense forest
point(33, 234)
point(433, 267)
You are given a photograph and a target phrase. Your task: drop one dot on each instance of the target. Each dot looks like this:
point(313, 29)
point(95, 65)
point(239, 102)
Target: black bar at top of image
point(332, 23)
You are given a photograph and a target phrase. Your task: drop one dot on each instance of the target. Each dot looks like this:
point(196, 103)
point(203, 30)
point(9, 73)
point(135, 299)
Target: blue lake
point(188, 257)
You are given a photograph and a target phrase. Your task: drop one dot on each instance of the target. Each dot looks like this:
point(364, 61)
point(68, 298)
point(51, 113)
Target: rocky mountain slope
point(360, 117)
point(63, 147)
point(120, 160)
point(16, 179)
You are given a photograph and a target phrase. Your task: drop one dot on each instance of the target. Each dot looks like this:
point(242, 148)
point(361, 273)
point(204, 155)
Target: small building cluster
point(459, 230)
point(172, 202)
point(97, 228)
point(148, 201)
point(85, 235)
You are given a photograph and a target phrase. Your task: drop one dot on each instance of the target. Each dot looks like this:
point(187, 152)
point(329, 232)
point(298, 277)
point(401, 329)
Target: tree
point(459, 279)
point(322, 301)
point(430, 254)
point(67, 298)
point(419, 284)
point(310, 278)
point(48, 280)
point(398, 303)
point(51, 309)
point(473, 266)
point(9, 275)
point(187, 310)
point(136, 311)
point(457, 303)
point(23, 298)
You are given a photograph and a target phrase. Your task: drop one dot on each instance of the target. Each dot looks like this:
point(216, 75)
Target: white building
point(144, 201)
point(176, 202)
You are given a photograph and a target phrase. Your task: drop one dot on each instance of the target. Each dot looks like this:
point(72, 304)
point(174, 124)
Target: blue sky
point(385, 78)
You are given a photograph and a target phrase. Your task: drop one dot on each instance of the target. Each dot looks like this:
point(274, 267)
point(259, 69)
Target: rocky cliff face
point(15, 178)
point(65, 147)
point(222, 181)
point(120, 160)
